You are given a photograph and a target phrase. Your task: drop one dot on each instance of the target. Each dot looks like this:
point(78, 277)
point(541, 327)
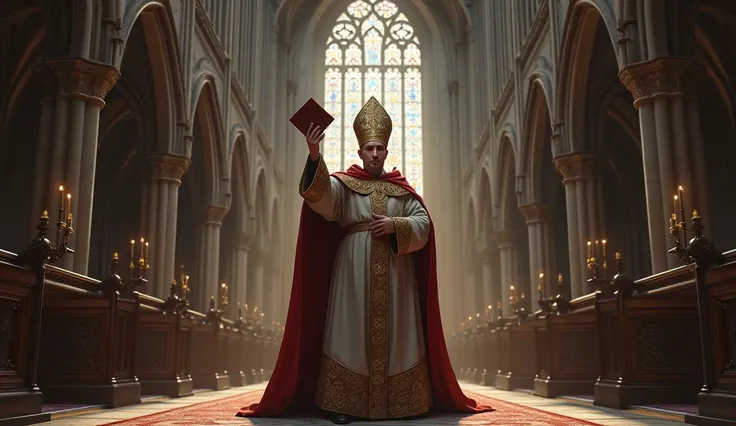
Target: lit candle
point(132, 249)
point(590, 248)
point(679, 195)
point(603, 243)
point(61, 199)
point(540, 286)
point(695, 214)
point(674, 203)
point(145, 252)
point(115, 256)
point(523, 295)
point(69, 203)
point(618, 255)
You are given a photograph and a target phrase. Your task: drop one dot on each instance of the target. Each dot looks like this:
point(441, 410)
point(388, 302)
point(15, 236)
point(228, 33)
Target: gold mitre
point(372, 124)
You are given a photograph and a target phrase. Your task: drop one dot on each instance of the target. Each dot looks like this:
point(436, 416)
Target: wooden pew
point(517, 354)
point(20, 314)
point(162, 356)
point(88, 342)
point(649, 342)
point(567, 349)
point(717, 304)
point(209, 349)
point(490, 355)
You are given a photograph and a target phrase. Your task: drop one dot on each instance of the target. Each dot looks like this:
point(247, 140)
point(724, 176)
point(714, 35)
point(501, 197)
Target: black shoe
point(341, 419)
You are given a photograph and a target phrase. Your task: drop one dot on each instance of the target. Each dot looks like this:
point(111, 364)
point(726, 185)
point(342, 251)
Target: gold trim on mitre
point(372, 124)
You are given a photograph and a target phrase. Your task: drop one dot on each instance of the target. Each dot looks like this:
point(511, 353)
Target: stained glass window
point(374, 51)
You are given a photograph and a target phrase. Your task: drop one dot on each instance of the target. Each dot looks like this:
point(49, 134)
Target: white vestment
point(374, 364)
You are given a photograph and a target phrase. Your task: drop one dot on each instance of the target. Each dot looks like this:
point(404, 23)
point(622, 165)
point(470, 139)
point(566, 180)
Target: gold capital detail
point(658, 77)
point(577, 165)
point(168, 167)
point(533, 212)
point(79, 76)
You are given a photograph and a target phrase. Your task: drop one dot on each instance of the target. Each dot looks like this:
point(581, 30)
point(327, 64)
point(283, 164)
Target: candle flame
point(512, 287)
point(115, 256)
point(61, 187)
point(618, 255)
point(679, 187)
point(142, 240)
point(490, 307)
point(541, 275)
point(69, 196)
point(470, 318)
point(132, 241)
point(559, 277)
point(603, 241)
point(676, 197)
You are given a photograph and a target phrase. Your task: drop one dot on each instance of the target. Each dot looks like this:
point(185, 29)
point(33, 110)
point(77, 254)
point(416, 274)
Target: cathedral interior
point(573, 156)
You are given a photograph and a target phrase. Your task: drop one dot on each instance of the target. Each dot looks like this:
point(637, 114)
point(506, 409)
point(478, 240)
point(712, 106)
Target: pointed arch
point(262, 219)
point(574, 66)
point(537, 125)
point(506, 183)
point(207, 117)
point(164, 60)
point(239, 185)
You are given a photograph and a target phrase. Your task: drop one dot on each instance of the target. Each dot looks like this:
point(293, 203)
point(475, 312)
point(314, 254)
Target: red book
point(311, 112)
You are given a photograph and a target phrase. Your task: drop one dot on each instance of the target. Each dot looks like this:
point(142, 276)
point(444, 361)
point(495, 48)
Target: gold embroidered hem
point(319, 183)
point(341, 390)
point(401, 239)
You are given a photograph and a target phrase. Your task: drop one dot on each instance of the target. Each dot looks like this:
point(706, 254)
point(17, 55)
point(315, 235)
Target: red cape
point(293, 384)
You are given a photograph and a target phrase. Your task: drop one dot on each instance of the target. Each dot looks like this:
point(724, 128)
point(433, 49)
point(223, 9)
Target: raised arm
point(322, 192)
point(412, 230)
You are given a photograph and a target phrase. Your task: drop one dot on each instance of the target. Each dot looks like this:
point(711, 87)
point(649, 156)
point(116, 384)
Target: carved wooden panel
point(669, 345)
point(183, 367)
point(611, 344)
point(70, 345)
point(9, 321)
point(728, 307)
point(151, 351)
point(577, 350)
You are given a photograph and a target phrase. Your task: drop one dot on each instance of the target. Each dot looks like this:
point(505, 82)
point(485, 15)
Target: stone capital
point(168, 167)
point(242, 240)
point(578, 165)
point(506, 239)
point(658, 77)
point(77, 76)
point(453, 86)
point(534, 213)
point(213, 215)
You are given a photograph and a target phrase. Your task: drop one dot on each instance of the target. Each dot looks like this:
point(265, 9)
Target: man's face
point(373, 155)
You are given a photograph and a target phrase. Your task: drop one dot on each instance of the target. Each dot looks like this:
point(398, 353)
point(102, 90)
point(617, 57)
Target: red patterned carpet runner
point(222, 412)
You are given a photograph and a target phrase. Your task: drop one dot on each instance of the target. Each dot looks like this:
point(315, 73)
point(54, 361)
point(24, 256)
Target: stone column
point(583, 193)
point(208, 257)
point(67, 148)
point(540, 255)
point(487, 274)
point(509, 269)
point(239, 271)
point(255, 287)
point(160, 213)
point(671, 146)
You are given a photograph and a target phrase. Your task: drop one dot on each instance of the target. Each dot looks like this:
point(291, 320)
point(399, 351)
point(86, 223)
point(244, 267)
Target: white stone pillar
point(239, 271)
point(585, 219)
point(208, 255)
point(509, 269)
point(671, 146)
point(487, 273)
point(540, 260)
point(67, 154)
point(160, 212)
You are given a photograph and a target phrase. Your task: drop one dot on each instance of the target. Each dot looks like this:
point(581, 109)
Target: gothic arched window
point(373, 52)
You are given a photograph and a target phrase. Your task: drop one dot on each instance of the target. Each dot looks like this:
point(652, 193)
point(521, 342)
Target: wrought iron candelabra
point(40, 250)
point(518, 306)
point(561, 305)
point(598, 277)
point(545, 304)
point(699, 249)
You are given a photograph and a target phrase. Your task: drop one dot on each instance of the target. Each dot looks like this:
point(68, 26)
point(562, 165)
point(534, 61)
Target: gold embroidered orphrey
point(372, 123)
point(377, 396)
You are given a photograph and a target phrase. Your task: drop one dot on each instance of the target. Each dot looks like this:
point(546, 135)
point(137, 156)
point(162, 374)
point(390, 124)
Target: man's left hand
point(382, 225)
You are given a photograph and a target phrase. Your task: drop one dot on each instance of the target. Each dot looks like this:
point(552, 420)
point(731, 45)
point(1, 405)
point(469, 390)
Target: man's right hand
point(314, 137)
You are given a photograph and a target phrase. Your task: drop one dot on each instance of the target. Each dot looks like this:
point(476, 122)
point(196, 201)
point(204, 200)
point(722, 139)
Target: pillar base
point(109, 395)
point(509, 381)
point(237, 379)
point(551, 388)
point(171, 388)
point(21, 403)
point(488, 379)
point(214, 382)
point(715, 408)
point(621, 395)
